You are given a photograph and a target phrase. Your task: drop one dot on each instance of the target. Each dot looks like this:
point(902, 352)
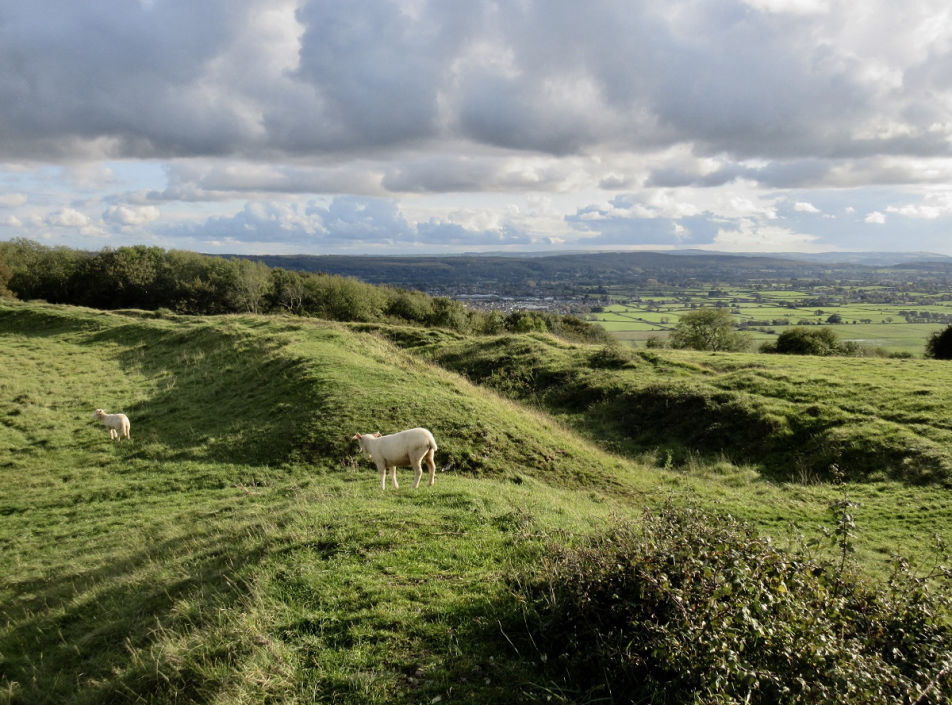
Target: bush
point(611, 357)
point(939, 345)
point(806, 341)
point(694, 607)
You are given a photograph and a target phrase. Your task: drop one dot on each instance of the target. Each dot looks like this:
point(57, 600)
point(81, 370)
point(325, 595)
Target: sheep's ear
point(355, 437)
point(377, 434)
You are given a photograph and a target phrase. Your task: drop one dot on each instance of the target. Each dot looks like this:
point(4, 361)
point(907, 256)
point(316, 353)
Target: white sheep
point(118, 424)
point(406, 448)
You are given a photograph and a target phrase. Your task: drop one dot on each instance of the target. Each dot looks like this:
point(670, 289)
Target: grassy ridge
point(793, 416)
point(238, 550)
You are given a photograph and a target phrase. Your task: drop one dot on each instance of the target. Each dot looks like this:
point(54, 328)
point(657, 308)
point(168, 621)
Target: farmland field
point(890, 327)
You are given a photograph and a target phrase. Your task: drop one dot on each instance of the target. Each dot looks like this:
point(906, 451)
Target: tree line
point(184, 282)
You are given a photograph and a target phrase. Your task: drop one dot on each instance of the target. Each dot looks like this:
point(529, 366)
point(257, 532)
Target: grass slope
point(238, 550)
point(793, 416)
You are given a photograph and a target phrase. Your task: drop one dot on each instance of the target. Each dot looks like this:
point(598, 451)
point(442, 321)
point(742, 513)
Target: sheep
point(118, 424)
point(406, 448)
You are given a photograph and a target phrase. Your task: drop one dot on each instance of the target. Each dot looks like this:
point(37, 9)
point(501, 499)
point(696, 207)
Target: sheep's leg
point(417, 473)
point(113, 436)
point(383, 475)
point(431, 465)
point(393, 476)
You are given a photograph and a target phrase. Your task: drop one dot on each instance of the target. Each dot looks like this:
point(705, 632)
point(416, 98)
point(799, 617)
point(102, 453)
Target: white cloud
point(12, 200)
point(794, 7)
point(805, 207)
point(750, 236)
point(932, 206)
point(67, 218)
point(130, 215)
point(875, 218)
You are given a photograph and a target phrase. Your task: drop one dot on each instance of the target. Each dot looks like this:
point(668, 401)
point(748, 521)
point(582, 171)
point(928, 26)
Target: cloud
point(12, 200)
point(130, 215)
point(350, 224)
point(67, 218)
point(750, 236)
point(291, 77)
point(932, 207)
point(319, 124)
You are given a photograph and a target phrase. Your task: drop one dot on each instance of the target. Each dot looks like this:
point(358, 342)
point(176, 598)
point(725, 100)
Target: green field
point(238, 550)
point(871, 325)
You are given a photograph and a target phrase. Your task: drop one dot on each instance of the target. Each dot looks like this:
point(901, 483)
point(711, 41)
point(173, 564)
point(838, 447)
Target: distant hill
point(459, 272)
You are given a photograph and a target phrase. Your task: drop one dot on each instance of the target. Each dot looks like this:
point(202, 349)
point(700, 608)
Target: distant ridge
point(872, 259)
point(560, 272)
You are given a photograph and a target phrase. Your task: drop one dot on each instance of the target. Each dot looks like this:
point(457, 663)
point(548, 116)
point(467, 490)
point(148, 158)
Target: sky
point(432, 127)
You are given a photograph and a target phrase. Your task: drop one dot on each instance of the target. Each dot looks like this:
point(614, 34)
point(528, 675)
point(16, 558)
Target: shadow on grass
point(488, 657)
point(219, 396)
point(124, 632)
point(44, 323)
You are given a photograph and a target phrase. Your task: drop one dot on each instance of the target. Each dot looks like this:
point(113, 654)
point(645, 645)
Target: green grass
point(238, 549)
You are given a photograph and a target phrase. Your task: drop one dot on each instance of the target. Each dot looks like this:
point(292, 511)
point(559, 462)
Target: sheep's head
point(359, 437)
point(98, 414)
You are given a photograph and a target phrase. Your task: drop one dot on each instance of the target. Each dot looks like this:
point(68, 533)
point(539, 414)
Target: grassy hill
point(791, 415)
point(239, 550)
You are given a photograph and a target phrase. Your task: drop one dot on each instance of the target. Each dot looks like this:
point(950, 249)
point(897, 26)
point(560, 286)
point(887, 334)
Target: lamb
point(406, 448)
point(118, 424)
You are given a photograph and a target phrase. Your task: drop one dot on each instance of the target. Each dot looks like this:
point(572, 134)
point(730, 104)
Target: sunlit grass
point(238, 550)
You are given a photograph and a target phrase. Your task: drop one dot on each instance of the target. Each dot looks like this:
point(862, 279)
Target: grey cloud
point(376, 70)
point(777, 174)
point(179, 78)
point(444, 174)
point(114, 72)
point(227, 179)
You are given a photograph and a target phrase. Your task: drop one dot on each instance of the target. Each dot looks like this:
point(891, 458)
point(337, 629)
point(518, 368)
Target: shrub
point(939, 344)
point(611, 356)
point(806, 341)
point(694, 607)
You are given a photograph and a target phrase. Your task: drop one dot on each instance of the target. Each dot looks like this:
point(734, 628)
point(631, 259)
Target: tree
point(708, 329)
point(6, 272)
point(834, 318)
point(939, 344)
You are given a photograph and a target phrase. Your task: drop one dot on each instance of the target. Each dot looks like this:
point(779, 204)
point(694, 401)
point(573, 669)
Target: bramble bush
point(694, 607)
